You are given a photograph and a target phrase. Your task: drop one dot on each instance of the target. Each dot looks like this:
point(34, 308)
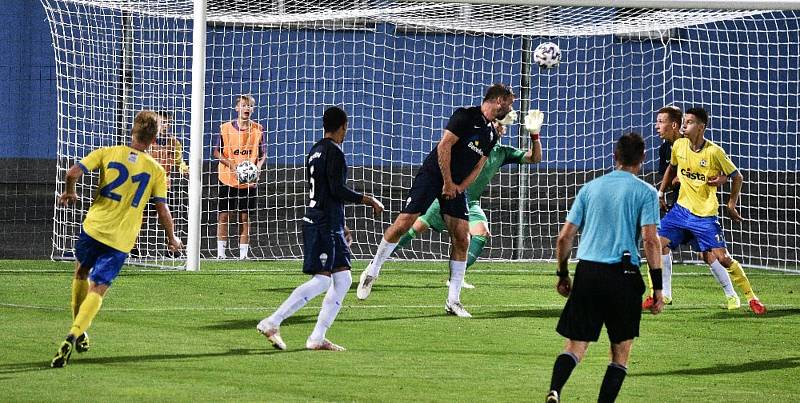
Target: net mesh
point(400, 69)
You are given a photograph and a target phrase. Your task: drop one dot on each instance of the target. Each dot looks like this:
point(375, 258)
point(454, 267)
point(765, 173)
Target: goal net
point(400, 68)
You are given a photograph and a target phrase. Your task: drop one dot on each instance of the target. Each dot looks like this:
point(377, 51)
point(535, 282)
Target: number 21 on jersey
point(142, 179)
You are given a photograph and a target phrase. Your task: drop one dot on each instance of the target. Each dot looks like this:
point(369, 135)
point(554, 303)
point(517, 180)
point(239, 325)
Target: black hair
point(497, 91)
point(333, 118)
point(700, 113)
point(629, 150)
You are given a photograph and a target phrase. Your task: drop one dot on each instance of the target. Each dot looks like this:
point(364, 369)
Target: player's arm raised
point(443, 150)
point(533, 124)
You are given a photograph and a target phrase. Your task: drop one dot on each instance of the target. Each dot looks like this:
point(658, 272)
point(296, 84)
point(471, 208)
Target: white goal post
point(399, 68)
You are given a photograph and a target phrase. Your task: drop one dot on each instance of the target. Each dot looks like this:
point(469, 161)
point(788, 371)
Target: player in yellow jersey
point(129, 179)
point(668, 125)
point(697, 161)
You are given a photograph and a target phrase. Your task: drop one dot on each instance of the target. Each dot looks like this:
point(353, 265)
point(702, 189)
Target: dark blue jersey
point(476, 138)
point(664, 156)
point(326, 171)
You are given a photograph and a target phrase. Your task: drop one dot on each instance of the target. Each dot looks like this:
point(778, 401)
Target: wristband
point(563, 274)
point(655, 276)
point(535, 136)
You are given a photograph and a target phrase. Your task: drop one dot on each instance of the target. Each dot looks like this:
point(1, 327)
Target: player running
point(129, 179)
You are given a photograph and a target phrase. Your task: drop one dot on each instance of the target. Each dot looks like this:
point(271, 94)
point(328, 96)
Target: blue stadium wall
point(29, 111)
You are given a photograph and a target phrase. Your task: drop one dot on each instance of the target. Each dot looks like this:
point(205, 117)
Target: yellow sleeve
point(725, 164)
point(159, 185)
point(93, 161)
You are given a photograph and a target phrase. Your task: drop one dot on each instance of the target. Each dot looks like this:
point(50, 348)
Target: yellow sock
point(89, 308)
point(740, 279)
point(649, 282)
point(79, 290)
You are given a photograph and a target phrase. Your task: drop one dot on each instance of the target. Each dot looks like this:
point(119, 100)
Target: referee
point(608, 285)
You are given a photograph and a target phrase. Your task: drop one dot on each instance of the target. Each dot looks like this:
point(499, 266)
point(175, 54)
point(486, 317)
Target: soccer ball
point(547, 55)
point(246, 172)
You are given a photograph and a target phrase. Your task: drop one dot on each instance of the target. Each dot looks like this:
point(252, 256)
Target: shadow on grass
point(239, 324)
point(771, 313)
point(753, 366)
point(80, 360)
point(524, 313)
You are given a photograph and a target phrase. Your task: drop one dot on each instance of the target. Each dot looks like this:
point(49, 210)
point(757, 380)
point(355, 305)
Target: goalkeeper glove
point(510, 118)
point(534, 120)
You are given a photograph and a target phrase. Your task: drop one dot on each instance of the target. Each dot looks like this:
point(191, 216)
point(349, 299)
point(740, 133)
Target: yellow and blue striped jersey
point(694, 169)
point(128, 180)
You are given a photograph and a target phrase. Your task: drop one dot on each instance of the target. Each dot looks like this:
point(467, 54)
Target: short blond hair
point(244, 97)
point(145, 126)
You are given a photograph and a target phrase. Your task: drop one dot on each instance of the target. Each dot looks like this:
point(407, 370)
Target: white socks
point(666, 267)
point(331, 304)
point(457, 272)
point(243, 249)
point(721, 274)
point(299, 298)
point(221, 246)
point(385, 250)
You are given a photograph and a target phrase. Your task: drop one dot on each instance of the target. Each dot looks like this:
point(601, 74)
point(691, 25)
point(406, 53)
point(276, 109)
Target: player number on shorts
point(142, 179)
point(313, 202)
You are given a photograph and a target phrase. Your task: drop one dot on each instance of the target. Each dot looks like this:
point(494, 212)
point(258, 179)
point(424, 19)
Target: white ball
point(247, 172)
point(547, 55)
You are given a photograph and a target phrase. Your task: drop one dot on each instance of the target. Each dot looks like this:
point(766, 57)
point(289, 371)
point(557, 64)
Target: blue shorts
point(323, 249)
point(426, 188)
point(104, 261)
point(680, 226)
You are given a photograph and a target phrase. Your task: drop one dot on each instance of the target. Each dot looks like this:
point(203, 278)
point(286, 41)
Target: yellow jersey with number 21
point(129, 179)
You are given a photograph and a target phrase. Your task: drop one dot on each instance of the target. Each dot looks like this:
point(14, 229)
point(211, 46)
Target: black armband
point(655, 276)
point(562, 274)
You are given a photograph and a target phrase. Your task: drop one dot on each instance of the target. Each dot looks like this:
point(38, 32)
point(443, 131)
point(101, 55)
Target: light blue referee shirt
point(610, 212)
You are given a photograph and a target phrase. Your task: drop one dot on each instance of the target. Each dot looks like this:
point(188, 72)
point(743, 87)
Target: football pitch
point(176, 336)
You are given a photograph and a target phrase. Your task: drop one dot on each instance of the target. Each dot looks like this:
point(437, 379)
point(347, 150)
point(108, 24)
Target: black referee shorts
point(426, 188)
point(235, 199)
point(603, 294)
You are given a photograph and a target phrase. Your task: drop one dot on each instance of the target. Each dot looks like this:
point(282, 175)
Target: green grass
point(174, 336)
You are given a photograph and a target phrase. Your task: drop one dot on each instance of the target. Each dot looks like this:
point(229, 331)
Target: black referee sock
point(565, 363)
point(612, 382)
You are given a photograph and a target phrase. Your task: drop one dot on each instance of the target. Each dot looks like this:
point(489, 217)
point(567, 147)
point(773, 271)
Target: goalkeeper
point(500, 155)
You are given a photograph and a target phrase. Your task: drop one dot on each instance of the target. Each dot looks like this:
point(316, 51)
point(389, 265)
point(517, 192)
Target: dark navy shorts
point(323, 249)
point(104, 261)
point(426, 188)
point(603, 294)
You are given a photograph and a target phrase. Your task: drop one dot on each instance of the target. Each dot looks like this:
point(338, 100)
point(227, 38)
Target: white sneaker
point(365, 283)
point(324, 344)
point(272, 333)
point(463, 285)
point(455, 308)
